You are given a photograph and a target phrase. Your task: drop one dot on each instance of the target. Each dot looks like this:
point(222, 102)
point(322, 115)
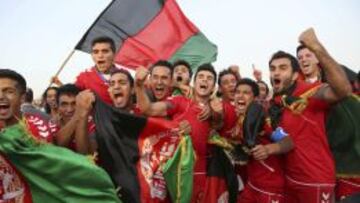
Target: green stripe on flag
point(197, 50)
point(55, 174)
point(179, 170)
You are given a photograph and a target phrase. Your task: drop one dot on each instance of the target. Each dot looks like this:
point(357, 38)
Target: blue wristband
point(278, 134)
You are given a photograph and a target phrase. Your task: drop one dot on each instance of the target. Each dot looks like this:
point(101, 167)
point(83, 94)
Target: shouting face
point(120, 90)
point(281, 74)
point(204, 83)
point(309, 64)
point(10, 101)
point(243, 97)
point(103, 56)
point(160, 82)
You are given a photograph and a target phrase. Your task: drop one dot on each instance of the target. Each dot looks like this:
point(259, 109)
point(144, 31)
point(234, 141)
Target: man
point(193, 110)
point(309, 64)
point(97, 78)
point(300, 109)
point(160, 81)
point(181, 78)
point(121, 90)
point(310, 69)
point(12, 93)
point(227, 82)
point(265, 181)
point(74, 114)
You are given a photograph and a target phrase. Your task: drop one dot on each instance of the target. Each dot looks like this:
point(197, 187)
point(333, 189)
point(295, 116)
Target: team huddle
point(288, 159)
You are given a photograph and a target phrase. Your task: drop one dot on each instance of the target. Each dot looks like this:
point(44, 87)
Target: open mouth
point(240, 104)
point(203, 87)
point(277, 81)
point(4, 108)
point(179, 78)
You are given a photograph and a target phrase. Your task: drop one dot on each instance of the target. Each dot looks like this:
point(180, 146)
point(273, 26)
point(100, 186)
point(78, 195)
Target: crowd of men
point(291, 160)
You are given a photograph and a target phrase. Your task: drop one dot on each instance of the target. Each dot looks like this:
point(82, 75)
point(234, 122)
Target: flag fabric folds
point(145, 31)
point(134, 150)
point(343, 131)
point(55, 174)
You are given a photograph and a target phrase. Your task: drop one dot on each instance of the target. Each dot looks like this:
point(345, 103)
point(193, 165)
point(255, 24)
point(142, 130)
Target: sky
point(37, 35)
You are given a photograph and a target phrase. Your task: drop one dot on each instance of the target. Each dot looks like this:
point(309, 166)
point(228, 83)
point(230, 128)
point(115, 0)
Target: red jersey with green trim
point(311, 160)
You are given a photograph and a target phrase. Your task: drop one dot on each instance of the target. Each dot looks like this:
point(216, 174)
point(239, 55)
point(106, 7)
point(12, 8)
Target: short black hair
point(247, 81)
point(300, 47)
point(104, 39)
point(44, 95)
point(164, 63)
point(184, 63)
point(266, 86)
point(67, 89)
point(29, 95)
point(226, 72)
point(13, 75)
point(207, 67)
point(125, 72)
point(281, 54)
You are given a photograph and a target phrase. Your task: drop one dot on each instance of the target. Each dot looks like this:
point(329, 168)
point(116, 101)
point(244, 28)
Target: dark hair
point(44, 95)
point(67, 89)
point(184, 63)
point(207, 67)
point(104, 39)
point(247, 81)
point(21, 82)
point(29, 95)
point(300, 47)
point(164, 63)
point(125, 72)
point(281, 54)
point(266, 86)
point(226, 72)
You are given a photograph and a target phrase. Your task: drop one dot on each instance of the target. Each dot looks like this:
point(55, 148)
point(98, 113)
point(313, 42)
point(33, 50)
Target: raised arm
point(338, 85)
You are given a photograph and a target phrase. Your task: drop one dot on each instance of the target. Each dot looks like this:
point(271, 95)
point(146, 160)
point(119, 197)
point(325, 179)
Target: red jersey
point(93, 80)
point(260, 176)
point(229, 120)
point(41, 128)
point(311, 160)
point(13, 188)
point(183, 108)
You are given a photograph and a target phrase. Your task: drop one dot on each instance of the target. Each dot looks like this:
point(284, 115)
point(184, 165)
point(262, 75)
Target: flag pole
point(63, 65)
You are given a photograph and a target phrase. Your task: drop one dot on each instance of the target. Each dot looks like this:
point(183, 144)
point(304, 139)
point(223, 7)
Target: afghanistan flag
point(137, 151)
point(53, 174)
point(343, 131)
point(145, 31)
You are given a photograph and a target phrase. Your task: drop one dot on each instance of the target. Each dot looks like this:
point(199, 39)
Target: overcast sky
point(37, 35)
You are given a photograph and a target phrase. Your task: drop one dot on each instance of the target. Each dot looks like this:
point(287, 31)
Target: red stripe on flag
point(160, 39)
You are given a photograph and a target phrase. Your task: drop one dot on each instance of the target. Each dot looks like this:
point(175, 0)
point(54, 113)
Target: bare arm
point(84, 102)
point(339, 86)
point(143, 102)
point(261, 152)
point(66, 133)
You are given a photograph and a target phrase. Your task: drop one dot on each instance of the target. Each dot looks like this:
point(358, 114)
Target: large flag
point(149, 30)
point(53, 174)
point(343, 131)
point(134, 150)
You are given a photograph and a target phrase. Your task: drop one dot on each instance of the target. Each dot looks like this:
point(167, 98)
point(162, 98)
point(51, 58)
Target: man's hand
point(141, 75)
point(84, 102)
point(309, 39)
point(205, 112)
point(184, 127)
point(257, 73)
point(55, 80)
point(260, 152)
